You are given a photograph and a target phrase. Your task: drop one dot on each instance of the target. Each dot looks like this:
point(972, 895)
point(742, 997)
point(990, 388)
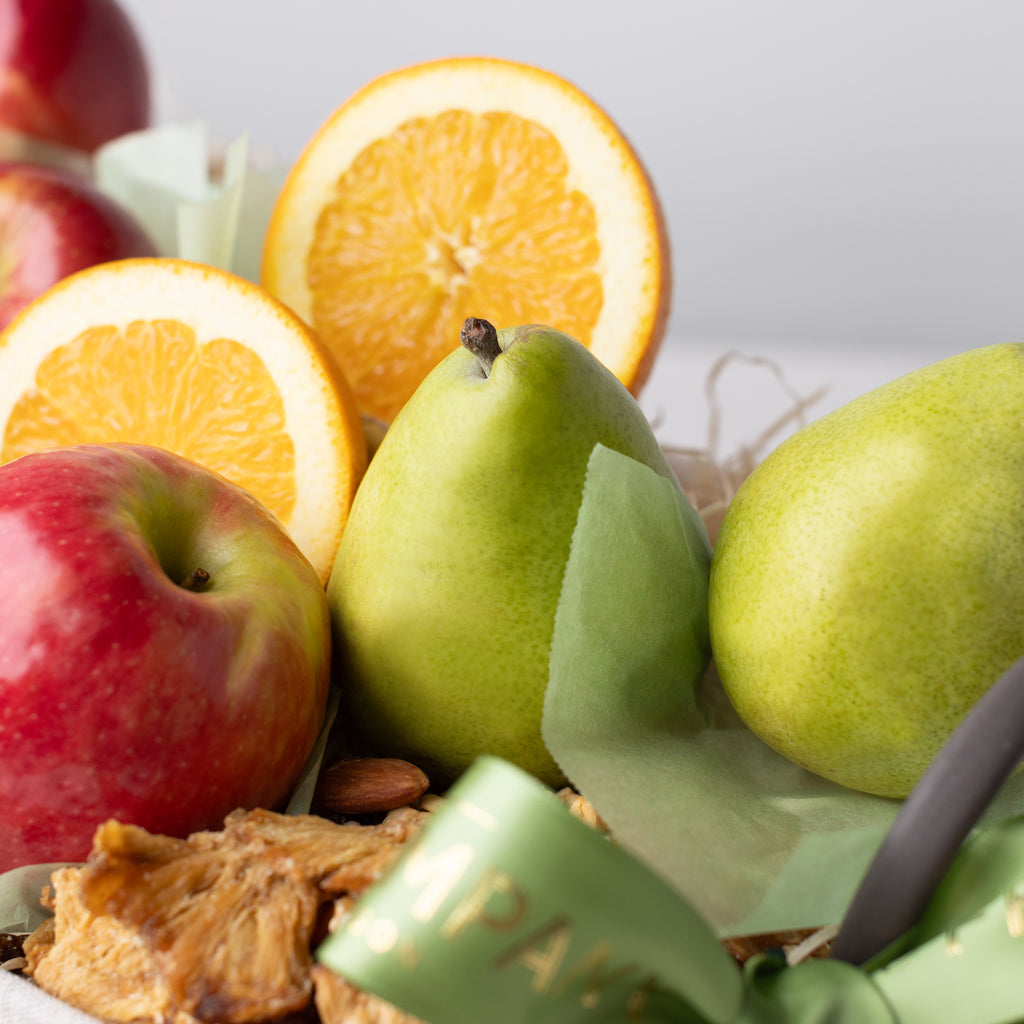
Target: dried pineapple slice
point(217, 927)
point(340, 1002)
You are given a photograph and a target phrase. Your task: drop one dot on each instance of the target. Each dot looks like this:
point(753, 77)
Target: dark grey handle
point(934, 820)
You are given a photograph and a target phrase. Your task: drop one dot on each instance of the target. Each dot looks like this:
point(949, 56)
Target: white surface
point(843, 175)
point(23, 1003)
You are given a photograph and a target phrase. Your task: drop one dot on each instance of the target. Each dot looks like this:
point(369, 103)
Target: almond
point(364, 785)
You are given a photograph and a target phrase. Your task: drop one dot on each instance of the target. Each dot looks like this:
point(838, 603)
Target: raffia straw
point(709, 479)
point(747, 456)
point(811, 945)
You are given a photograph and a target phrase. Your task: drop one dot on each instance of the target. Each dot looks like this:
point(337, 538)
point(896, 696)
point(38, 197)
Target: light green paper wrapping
point(972, 974)
point(964, 959)
point(754, 842)
point(20, 890)
point(301, 799)
point(165, 176)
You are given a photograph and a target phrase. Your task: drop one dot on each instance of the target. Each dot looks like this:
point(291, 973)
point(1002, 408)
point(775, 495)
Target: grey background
point(843, 181)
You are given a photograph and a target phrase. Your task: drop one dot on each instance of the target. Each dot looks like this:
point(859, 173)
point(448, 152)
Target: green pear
point(444, 590)
point(867, 585)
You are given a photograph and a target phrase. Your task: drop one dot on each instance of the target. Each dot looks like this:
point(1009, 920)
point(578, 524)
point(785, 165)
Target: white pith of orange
point(631, 261)
point(284, 425)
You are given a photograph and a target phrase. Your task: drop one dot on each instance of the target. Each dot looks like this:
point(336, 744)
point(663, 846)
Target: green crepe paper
point(988, 865)
point(973, 975)
point(20, 890)
point(164, 177)
point(966, 954)
point(754, 842)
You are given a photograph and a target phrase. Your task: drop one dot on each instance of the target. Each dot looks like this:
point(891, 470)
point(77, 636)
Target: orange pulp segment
point(195, 360)
point(468, 187)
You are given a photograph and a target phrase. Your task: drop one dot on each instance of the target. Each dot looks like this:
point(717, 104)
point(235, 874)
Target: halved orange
point(468, 187)
point(196, 360)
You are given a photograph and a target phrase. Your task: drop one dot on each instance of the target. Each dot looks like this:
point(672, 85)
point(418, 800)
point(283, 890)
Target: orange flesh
point(450, 216)
point(151, 383)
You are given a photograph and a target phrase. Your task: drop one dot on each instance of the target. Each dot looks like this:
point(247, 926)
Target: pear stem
point(195, 580)
point(480, 337)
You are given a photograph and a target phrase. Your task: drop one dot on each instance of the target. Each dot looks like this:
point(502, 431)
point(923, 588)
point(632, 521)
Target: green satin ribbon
point(509, 909)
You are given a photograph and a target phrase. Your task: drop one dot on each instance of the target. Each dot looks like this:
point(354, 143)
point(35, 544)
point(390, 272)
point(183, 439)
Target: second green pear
point(867, 585)
point(445, 587)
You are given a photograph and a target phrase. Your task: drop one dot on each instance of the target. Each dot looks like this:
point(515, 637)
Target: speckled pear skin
point(444, 590)
point(867, 585)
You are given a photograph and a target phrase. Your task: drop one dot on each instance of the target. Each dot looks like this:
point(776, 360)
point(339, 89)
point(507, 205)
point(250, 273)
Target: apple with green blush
point(164, 655)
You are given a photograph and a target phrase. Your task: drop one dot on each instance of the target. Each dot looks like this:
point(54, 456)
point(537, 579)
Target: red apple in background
point(72, 72)
point(53, 223)
point(130, 685)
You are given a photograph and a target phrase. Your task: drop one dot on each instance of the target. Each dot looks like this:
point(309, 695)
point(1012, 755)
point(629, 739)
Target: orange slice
point(196, 360)
point(468, 187)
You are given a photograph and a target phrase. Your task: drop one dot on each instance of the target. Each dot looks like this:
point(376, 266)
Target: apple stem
point(198, 579)
point(480, 337)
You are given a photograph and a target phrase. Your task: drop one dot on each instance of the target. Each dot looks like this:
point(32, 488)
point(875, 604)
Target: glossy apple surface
point(72, 72)
point(53, 224)
point(125, 694)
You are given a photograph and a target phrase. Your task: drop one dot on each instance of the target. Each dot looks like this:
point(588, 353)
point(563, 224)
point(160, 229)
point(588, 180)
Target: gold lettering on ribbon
point(408, 954)
point(379, 933)
point(541, 952)
point(437, 874)
point(593, 971)
point(1014, 903)
point(638, 998)
point(476, 814)
point(474, 906)
point(382, 935)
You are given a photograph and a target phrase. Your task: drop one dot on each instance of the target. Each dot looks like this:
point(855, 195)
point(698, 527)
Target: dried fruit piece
point(217, 927)
point(339, 1002)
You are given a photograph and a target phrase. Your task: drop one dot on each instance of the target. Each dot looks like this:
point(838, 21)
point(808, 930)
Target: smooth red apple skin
point(124, 695)
point(72, 72)
point(52, 224)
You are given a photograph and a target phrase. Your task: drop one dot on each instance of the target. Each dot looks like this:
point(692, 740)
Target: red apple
point(53, 223)
point(132, 686)
point(72, 72)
